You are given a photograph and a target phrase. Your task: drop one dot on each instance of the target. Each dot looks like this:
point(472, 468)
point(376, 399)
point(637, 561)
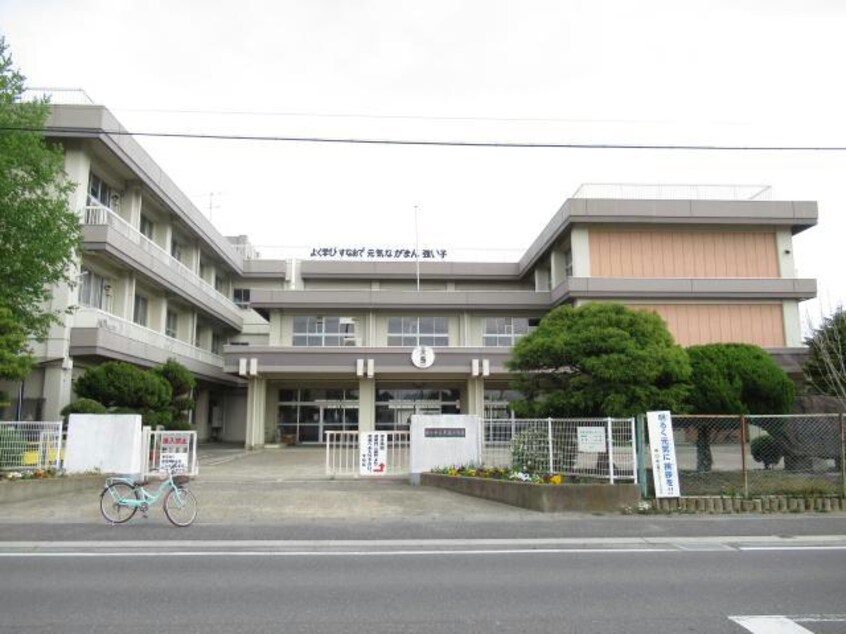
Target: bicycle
point(122, 496)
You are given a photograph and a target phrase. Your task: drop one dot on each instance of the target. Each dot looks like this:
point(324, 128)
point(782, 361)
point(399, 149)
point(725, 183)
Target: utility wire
point(59, 130)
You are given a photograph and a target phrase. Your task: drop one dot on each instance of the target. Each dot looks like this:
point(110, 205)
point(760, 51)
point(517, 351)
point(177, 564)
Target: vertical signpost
point(665, 471)
point(373, 453)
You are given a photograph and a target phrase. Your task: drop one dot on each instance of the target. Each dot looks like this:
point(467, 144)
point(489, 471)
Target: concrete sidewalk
point(278, 485)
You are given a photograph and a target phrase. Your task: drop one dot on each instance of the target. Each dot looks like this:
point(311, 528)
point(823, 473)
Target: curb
point(23, 490)
point(715, 504)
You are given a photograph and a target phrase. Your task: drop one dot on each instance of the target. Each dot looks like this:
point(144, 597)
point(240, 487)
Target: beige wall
point(682, 253)
point(691, 324)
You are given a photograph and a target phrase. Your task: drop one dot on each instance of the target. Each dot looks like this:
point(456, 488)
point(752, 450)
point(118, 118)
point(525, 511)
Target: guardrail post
point(640, 449)
point(549, 438)
point(609, 431)
point(842, 456)
point(635, 461)
point(743, 466)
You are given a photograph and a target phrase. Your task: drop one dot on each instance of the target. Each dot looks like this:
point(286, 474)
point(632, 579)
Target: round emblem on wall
point(423, 357)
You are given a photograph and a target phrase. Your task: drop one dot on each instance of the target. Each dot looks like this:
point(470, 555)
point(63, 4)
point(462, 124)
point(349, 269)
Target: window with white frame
point(418, 331)
point(100, 193)
point(139, 310)
point(321, 331)
point(171, 324)
point(241, 296)
point(503, 332)
point(147, 227)
point(94, 290)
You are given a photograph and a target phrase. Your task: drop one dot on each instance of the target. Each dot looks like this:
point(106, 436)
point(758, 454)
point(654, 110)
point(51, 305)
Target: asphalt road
point(461, 586)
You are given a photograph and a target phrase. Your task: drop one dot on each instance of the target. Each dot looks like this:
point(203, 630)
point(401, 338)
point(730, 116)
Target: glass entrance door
point(307, 414)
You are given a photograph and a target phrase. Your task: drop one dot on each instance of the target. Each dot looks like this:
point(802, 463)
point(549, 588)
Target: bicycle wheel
point(110, 505)
point(180, 506)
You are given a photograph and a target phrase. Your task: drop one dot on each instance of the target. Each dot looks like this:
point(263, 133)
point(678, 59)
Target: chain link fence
point(761, 455)
point(29, 446)
point(602, 448)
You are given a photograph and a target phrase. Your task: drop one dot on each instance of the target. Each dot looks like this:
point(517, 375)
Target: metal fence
point(28, 446)
point(761, 455)
point(586, 447)
point(343, 454)
point(169, 449)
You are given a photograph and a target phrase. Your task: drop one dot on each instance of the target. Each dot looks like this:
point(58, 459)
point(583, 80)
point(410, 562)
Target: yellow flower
point(555, 479)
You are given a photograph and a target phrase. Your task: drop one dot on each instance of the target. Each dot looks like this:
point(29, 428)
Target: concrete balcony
point(98, 333)
point(401, 300)
point(103, 230)
point(450, 362)
point(684, 288)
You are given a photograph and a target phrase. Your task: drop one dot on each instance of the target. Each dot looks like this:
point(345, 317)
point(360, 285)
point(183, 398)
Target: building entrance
point(396, 405)
point(306, 414)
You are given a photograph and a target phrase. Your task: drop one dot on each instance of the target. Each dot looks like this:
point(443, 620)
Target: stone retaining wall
point(22, 490)
point(541, 497)
point(762, 504)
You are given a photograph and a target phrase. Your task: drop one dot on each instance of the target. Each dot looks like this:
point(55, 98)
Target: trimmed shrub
point(767, 450)
point(12, 447)
point(83, 406)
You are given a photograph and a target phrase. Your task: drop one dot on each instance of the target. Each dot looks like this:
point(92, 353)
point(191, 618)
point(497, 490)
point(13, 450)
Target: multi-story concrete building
point(300, 347)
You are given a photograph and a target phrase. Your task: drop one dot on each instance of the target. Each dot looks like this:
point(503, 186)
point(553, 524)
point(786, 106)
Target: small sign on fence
point(373, 449)
point(591, 439)
point(665, 471)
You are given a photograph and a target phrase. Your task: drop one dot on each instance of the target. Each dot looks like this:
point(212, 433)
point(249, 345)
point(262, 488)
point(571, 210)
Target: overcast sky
point(748, 72)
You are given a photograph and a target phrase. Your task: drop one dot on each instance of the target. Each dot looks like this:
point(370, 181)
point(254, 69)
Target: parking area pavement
point(278, 485)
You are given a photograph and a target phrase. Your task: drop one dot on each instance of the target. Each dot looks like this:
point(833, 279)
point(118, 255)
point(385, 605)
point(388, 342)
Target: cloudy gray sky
point(755, 72)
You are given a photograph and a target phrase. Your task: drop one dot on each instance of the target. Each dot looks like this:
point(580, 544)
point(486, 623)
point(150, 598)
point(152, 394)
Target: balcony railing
point(646, 191)
point(103, 216)
point(87, 317)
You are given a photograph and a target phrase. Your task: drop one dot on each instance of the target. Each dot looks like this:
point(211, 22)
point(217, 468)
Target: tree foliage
point(182, 384)
point(825, 369)
point(40, 233)
point(117, 384)
point(738, 378)
point(15, 360)
point(600, 359)
point(162, 395)
point(735, 378)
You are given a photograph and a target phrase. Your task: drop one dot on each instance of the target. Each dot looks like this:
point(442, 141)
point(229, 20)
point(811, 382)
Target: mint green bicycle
point(123, 496)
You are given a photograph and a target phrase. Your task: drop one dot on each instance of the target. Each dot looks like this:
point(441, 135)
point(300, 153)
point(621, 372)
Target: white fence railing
point(586, 447)
point(86, 317)
point(343, 454)
point(30, 445)
point(673, 191)
point(97, 215)
point(163, 449)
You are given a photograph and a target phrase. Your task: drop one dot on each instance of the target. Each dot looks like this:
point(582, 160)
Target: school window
point(94, 290)
point(418, 331)
point(321, 331)
point(146, 227)
point(171, 322)
point(241, 296)
point(216, 343)
point(503, 332)
point(176, 250)
point(139, 311)
point(99, 193)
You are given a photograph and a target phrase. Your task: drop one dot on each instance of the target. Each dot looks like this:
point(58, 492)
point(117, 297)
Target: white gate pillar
point(256, 397)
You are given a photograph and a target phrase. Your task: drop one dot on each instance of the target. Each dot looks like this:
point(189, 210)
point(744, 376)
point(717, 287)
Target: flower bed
point(552, 493)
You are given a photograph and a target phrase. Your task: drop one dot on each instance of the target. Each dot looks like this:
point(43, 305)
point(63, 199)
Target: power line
point(53, 131)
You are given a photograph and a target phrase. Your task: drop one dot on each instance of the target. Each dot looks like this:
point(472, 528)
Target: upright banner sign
point(665, 470)
point(373, 453)
point(174, 452)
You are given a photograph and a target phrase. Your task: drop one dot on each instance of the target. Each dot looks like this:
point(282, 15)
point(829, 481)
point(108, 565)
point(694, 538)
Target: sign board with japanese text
point(665, 471)
point(443, 440)
point(591, 439)
point(175, 450)
point(373, 453)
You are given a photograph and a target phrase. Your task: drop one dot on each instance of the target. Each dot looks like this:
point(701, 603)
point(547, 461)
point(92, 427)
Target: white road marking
point(349, 553)
point(770, 625)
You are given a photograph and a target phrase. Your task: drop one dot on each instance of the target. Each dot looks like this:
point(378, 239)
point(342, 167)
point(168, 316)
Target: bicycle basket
point(179, 480)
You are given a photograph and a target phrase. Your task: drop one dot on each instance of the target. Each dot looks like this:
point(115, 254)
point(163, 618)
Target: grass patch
point(761, 482)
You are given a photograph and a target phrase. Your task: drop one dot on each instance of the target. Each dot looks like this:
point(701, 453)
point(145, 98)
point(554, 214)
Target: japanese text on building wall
point(372, 253)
